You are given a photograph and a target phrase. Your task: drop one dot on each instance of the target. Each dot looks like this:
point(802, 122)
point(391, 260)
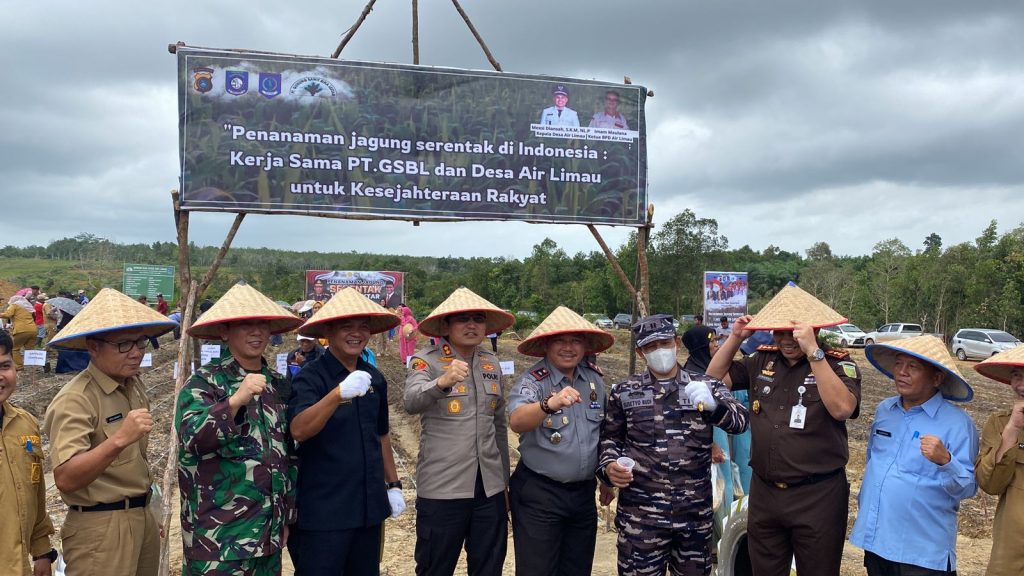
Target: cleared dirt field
point(36, 389)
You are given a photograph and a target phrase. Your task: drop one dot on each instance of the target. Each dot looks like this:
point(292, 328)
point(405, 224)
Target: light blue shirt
point(908, 504)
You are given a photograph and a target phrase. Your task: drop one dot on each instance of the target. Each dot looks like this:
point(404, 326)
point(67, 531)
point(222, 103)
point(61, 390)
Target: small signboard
point(148, 280)
point(35, 358)
point(208, 352)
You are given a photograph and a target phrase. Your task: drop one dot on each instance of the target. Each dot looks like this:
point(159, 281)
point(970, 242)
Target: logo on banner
point(313, 86)
point(202, 80)
point(236, 82)
point(270, 84)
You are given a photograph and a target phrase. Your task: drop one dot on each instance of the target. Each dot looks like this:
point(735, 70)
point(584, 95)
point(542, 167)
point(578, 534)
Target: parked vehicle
point(890, 332)
point(622, 320)
point(981, 342)
point(599, 320)
point(847, 335)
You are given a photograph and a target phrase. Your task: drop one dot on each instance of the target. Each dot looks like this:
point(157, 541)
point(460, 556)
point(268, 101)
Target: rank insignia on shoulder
point(418, 364)
point(595, 368)
point(841, 354)
point(540, 374)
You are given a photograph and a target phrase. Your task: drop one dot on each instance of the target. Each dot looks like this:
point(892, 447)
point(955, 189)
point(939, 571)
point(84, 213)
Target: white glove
point(699, 393)
point(397, 500)
point(355, 384)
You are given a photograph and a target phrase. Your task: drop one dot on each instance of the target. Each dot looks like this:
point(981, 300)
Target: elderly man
point(338, 412)
point(560, 114)
point(308, 351)
point(801, 396)
point(99, 425)
point(557, 410)
point(235, 464)
point(656, 448)
point(463, 467)
point(920, 462)
point(25, 528)
point(610, 117)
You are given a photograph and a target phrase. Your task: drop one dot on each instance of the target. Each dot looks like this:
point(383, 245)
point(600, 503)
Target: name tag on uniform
point(885, 433)
point(114, 418)
point(684, 401)
point(638, 399)
point(798, 417)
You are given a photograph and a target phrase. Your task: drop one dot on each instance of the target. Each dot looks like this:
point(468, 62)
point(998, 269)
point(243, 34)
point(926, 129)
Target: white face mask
point(661, 360)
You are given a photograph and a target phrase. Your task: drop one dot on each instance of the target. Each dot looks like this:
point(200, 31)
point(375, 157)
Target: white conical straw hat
point(110, 310)
point(464, 300)
point(243, 302)
point(794, 304)
point(998, 367)
point(349, 303)
point(931, 350)
point(564, 321)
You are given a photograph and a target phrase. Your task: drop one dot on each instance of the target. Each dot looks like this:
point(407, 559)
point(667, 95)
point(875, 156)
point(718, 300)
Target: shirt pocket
point(130, 452)
point(640, 426)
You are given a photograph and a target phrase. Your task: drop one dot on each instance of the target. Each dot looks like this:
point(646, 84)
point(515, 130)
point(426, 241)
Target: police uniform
point(552, 116)
point(463, 465)
point(551, 493)
point(799, 495)
point(664, 515)
point(25, 526)
point(109, 529)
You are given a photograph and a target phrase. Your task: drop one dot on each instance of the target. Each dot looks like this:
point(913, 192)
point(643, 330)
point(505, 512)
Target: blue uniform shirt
point(908, 504)
point(341, 469)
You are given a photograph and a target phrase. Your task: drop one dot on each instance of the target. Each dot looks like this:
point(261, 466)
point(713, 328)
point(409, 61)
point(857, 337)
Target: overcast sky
point(788, 122)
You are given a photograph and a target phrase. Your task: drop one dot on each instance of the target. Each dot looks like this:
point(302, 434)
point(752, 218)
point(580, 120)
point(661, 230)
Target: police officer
point(99, 425)
point(656, 448)
point(462, 472)
point(338, 412)
point(557, 409)
point(559, 114)
point(801, 396)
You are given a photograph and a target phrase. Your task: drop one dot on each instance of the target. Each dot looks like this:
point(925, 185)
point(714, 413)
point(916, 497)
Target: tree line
point(978, 284)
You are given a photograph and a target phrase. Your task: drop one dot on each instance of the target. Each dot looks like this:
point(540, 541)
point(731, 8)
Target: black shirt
point(697, 341)
point(341, 469)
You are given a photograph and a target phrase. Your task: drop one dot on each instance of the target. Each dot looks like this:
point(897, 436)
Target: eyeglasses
point(652, 346)
point(615, 100)
point(466, 318)
point(125, 346)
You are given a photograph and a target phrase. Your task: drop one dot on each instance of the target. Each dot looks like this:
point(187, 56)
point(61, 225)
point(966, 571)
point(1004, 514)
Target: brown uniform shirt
point(779, 452)
point(1003, 478)
point(25, 527)
point(87, 411)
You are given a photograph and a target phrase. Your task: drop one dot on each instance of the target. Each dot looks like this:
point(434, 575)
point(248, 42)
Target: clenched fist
point(253, 385)
point(932, 449)
point(137, 424)
point(456, 373)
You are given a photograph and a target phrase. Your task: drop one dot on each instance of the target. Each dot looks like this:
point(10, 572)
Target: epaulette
point(840, 354)
point(540, 374)
point(768, 348)
point(594, 367)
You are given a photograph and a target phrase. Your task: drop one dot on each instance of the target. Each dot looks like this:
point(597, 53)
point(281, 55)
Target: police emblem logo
point(202, 80)
point(454, 406)
point(236, 82)
point(418, 364)
point(270, 84)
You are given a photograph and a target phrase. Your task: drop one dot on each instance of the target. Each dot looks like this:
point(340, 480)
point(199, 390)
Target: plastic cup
point(626, 462)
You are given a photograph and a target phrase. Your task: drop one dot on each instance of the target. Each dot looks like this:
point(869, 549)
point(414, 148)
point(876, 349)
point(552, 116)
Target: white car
point(848, 335)
point(981, 342)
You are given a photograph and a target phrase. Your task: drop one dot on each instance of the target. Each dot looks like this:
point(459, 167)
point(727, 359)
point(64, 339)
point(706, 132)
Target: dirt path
point(974, 543)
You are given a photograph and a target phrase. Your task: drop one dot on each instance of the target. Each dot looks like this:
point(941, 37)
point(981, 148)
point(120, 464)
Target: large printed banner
point(283, 134)
point(148, 280)
point(384, 288)
point(725, 294)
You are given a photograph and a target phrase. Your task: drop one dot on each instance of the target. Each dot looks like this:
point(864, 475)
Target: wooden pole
point(483, 45)
point(181, 224)
point(208, 277)
point(645, 275)
point(352, 30)
point(618, 269)
point(415, 32)
point(170, 471)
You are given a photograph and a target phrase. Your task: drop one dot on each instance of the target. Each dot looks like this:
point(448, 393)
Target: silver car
point(848, 335)
point(981, 342)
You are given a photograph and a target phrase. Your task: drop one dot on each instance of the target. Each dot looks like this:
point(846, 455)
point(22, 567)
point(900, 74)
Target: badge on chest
point(638, 399)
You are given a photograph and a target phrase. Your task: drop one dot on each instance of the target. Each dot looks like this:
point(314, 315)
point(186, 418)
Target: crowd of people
point(303, 461)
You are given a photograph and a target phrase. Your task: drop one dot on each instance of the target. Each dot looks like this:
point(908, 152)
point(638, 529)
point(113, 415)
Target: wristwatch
point(395, 484)
point(817, 356)
point(51, 556)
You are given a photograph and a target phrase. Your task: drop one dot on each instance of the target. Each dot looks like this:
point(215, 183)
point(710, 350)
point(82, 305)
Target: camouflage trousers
point(259, 566)
point(647, 551)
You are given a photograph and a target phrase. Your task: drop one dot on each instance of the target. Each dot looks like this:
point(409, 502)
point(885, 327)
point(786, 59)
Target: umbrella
point(283, 304)
point(298, 305)
point(65, 305)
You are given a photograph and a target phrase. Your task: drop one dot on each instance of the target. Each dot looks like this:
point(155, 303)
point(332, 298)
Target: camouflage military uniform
point(236, 475)
point(664, 515)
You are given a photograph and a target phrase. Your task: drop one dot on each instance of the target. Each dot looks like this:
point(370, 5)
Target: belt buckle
point(781, 485)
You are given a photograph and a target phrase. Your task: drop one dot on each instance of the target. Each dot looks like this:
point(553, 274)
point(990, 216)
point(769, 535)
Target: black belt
point(812, 479)
point(127, 503)
point(576, 485)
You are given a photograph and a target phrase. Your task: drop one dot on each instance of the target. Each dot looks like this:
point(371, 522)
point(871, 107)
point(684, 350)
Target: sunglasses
point(126, 346)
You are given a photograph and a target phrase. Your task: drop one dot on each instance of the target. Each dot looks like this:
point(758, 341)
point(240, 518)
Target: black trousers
point(353, 552)
point(878, 566)
point(554, 525)
point(443, 526)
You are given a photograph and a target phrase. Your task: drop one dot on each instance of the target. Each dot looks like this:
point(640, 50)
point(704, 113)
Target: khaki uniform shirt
point(464, 427)
point(87, 411)
point(25, 527)
point(1005, 479)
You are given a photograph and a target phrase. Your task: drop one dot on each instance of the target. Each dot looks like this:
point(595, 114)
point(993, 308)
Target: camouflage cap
point(653, 328)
